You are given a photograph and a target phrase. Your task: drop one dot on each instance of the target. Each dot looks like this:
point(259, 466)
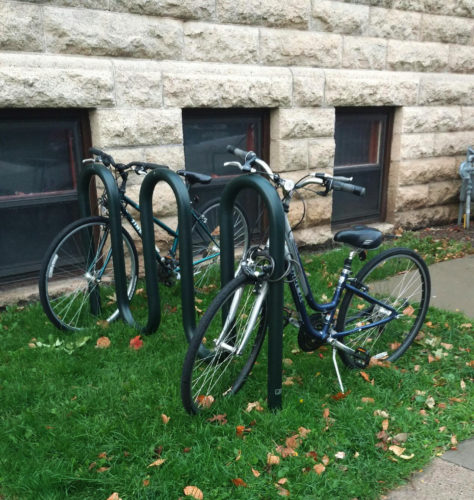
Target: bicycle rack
point(277, 244)
point(185, 249)
point(466, 172)
point(115, 232)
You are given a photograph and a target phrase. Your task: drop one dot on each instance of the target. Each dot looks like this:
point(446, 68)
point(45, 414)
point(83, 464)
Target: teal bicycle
point(78, 264)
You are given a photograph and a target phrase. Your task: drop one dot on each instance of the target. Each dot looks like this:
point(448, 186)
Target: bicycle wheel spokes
point(77, 285)
point(230, 334)
point(399, 280)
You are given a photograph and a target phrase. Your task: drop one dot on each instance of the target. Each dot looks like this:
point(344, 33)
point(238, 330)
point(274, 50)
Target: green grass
point(81, 422)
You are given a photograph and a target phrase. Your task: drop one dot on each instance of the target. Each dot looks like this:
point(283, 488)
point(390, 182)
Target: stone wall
point(137, 63)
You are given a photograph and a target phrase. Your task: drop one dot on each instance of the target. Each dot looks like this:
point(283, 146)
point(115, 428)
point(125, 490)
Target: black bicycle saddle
point(360, 237)
point(195, 177)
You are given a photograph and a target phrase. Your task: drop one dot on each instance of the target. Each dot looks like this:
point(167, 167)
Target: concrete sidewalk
point(450, 476)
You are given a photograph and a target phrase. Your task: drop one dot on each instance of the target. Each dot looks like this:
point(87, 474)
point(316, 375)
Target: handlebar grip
point(237, 152)
point(348, 188)
point(106, 159)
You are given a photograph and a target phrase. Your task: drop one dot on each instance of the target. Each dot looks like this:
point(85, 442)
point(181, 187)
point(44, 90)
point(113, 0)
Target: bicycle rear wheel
point(77, 284)
point(400, 278)
point(205, 237)
point(225, 345)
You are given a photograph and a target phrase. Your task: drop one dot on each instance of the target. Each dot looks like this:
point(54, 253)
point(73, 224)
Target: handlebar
point(336, 183)
point(139, 167)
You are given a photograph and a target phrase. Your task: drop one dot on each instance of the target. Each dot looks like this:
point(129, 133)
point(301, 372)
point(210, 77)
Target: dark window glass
point(206, 136)
point(361, 137)
point(40, 158)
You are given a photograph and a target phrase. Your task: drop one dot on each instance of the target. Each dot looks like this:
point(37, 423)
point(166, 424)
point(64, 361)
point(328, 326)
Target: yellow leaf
point(385, 424)
point(193, 491)
point(254, 406)
point(272, 459)
point(158, 462)
point(407, 457)
point(397, 450)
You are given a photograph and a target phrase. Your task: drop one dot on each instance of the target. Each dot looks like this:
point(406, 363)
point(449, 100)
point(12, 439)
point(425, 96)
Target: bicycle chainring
point(308, 342)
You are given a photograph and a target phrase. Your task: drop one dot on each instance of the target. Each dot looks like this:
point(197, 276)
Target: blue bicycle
point(373, 315)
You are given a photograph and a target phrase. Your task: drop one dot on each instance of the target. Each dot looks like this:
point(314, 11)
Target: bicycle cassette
point(308, 342)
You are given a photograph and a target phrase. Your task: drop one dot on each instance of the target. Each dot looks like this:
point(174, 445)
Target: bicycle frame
point(302, 293)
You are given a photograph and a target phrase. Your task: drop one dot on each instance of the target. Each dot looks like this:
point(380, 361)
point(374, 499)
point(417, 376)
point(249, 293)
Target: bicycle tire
point(206, 245)
point(210, 371)
point(399, 277)
point(69, 280)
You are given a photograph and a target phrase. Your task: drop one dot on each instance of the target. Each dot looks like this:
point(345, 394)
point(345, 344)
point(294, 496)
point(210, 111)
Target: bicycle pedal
point(361, 357)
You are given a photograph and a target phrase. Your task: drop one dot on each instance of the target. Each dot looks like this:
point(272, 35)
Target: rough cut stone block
point(136, 127)
point(297, 123)
point(20, 27)
point(370, 88)
point(452, 143)
point(447, 29)
point(92, 4)
point(321, 153)
point(207, 85)
point(446, 89)
point(313, 237)
point(417, 56)
point(416, 146)
point(288, 155)
point(212, 42)
point(308, 86)
point(183, 9)
point(128, 36)
point(138, 84)
point(364, 53)
point(424, 217)
point(461, 59)
point(385, 23)
point(300, 48)
point(431, 119)
point(467, 117)
point(443, 193)
point(287, 14)
point(171, 155)
point(427, 170)
point(339, 17)
point(44, 81)
point(411, 197)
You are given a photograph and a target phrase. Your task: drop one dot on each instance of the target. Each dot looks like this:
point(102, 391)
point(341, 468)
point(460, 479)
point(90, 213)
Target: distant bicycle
point(373, 315)
point(76, 282)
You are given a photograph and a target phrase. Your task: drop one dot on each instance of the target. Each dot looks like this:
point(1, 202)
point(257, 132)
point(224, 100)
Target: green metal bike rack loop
point(115, 233)
point(277, 244)
point(185, 249)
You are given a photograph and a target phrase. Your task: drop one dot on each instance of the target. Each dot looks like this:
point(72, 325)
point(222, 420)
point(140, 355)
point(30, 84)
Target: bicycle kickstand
point(336, 367)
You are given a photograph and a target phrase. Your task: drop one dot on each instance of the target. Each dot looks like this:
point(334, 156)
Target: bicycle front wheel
point(225, 345)
point(77, 284)
point(399, 278)
point(205, 237)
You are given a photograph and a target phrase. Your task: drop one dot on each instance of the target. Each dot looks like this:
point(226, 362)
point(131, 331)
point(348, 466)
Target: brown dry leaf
point(293, 441)
point(430, 402)
point(463, 385)
point(326, 413)
point(288, 381)
point(454, 441)
point(385, 424)
point(103, 342)
point(114, 496)
point(395, 345)
point(381, 413)
point(466, 325)
point(158, 462)
point(313, 455)
point(239, 482)
point(287, 362)
point(368, 400)
point(205, 401)
point(103, 323)
point(286, 451)
point(165, 418)
point(193, 491)
point(103, 469)
point(255, 472)
point(325, 460)
point(401, 437)
point(221, 418)
point(303, 432)
point(272, 459)
point(282, 491)
point(408, 311)
point(365, 376)
point(397, 450)
point(254, 406)
point(416, 368)
point(102, 455)
point(146, 482)
point(340, 395)
point(319, 469)
point(447, 346)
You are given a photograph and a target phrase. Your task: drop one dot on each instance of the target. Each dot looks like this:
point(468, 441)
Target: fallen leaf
point(282, 491)
point(165, 418)
point(340, 395)
point(385, 424)
point(312, 454)
point(454, 441)
point(303, 432)
point(136, 342)
point(340, 455)
point(319, 469)
point(255, 472)
point(158, 462)
point(103, 323)
point(325, 460)
point(146, 482)
point(272, 459)
point(103, 469)
point(221, 419)
point(397, 450)
point(395, 345)
point(102, 455)
point(430, 402)
point(239, 482)
point(114, 496)
point(103, 343)
point(401, 437)
point(463, 385)
point(364, 376)
point(447, 346)
point(466, 325)
point(326, 413)
point(408, 311)
point(368, 400)
point(193, 491)
point(205, 401)
point(254, 406)
point(282, 481)
point(381, 413)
